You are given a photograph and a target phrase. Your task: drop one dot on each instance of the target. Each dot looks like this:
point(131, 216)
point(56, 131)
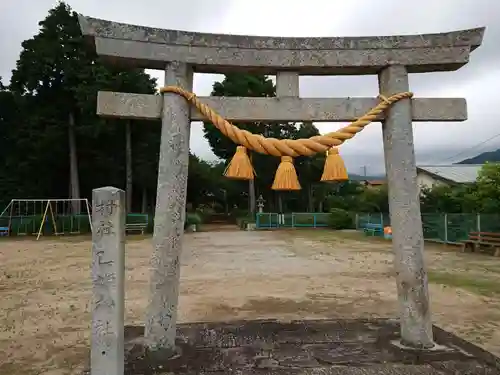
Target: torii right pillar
point(404, 207)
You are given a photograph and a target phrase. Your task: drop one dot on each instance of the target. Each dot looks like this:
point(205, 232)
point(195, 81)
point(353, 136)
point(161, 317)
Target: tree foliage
point(487, 193)
point(482, 196)
point(58, 76)
point(308, 169)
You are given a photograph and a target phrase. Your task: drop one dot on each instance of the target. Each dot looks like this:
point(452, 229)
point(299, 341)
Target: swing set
point(24, 217)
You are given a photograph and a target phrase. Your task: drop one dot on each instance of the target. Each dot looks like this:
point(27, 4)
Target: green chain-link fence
point(65, 224)
point(291, 220)
point(447, 228)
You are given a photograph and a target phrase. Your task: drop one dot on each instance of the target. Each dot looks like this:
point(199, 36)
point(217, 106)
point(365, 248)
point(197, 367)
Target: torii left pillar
point(170, 212)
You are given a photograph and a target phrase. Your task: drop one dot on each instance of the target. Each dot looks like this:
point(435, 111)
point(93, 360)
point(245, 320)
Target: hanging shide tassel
point(286, 176)
point(335, 169)
point(240, 166)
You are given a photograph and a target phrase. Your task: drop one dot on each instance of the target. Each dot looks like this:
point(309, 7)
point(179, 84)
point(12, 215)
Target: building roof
point(459, 173)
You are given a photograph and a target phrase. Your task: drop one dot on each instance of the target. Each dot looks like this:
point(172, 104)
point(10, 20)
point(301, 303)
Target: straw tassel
point(286, 176)
point(335, 169)
point(240, 166)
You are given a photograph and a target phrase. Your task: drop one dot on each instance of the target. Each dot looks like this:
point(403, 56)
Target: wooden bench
point(4, 231)
point(477, 240)
point(136, 227)
point(373, 229)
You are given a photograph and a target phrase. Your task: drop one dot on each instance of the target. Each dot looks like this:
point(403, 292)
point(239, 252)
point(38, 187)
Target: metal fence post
point(478, 224)
point(446, 228)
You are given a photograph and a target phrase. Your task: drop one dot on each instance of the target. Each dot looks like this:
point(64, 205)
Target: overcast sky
point(439, 143)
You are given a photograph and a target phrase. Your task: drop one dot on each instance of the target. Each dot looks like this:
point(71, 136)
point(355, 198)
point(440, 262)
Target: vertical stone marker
point(108, 269)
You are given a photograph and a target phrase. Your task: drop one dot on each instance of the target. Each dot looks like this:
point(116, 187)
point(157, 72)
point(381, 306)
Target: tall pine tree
point(59, 77)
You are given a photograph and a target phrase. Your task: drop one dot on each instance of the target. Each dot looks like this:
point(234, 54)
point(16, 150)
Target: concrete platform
point(312, 347)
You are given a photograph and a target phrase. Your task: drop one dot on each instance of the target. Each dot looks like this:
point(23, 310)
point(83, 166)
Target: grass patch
point(482, 286)
point(483, 266)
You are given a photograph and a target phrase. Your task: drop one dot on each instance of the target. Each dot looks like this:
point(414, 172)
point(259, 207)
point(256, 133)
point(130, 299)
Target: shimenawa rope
point(240, 166)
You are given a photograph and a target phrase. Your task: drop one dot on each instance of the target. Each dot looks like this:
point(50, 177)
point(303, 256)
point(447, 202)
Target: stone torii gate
point(181, 53)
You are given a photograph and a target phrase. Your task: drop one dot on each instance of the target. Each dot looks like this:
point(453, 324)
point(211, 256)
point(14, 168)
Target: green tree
point(309, 169)
point(58, 77)
point(345, 195)
point(10, 116)
point(449, 199)
point(487, 194)
point(374, 199)
point(50, 67)
point(251, 85)
point(237, 84)
point(201, 186)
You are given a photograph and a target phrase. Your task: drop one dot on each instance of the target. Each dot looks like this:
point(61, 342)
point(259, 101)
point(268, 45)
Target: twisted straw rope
point(287, 147)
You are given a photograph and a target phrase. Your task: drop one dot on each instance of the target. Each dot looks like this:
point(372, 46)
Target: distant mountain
point(491, 156)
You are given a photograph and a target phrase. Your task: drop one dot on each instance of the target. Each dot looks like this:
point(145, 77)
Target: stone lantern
point(260, 203)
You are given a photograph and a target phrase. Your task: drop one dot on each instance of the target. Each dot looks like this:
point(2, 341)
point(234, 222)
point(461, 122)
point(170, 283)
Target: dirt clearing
point(45, 288)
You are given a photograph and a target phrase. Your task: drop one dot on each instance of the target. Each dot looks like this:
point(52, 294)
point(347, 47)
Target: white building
point(432, 175)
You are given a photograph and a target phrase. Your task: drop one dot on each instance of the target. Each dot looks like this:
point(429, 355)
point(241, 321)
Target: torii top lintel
point(150, 48)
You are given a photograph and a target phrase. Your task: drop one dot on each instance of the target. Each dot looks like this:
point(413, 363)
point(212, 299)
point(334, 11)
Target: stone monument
point(108, 278)
point(181, 53)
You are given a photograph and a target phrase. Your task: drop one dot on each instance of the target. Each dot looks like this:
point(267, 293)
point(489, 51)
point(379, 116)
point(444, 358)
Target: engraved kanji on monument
point(108, 268)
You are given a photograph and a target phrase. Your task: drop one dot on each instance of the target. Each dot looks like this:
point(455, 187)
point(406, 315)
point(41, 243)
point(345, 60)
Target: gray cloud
point(434, 142)
point(19, 19)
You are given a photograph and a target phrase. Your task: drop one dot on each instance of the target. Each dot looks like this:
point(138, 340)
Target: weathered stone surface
point(256, 350)
point(116, 30)
point(287, 84)
point(472, 367)
point(404, 206)
point(147, 47)
point(170, 212)
point(133, 54)
point(148, 107)
point(108, 267)
point(268, 332)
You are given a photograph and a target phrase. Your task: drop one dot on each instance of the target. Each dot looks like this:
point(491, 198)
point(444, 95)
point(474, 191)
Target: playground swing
point(69, 217)
point(30, 216)
point(63, 219)
point(44, 218)
point(74, 219)
point(23, 221)
point(33, 222)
